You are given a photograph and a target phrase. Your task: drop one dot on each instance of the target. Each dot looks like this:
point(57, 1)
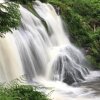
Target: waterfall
point(41, 51)
point(67, 63)
point(1, 1)
point(34, 51)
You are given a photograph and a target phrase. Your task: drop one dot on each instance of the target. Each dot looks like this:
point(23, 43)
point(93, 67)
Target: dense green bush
point(9, 17)
point(23, 92)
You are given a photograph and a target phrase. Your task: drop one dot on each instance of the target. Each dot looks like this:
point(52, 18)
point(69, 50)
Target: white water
point(1, 1)
point(64, 56)
point(47, 57)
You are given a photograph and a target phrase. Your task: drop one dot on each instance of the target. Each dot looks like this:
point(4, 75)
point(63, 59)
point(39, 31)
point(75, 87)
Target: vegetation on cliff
point(9, 17)
point(83, 19)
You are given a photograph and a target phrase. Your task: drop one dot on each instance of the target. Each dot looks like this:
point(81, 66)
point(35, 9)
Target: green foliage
point(23, 92)
point(22, 1)
point(26, 1)
point(83, 19)
point(9, 17)
point(43, 0)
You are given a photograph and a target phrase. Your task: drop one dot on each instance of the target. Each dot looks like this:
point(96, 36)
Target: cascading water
point(65, 64)
point(33, 52)
point(1, 1)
